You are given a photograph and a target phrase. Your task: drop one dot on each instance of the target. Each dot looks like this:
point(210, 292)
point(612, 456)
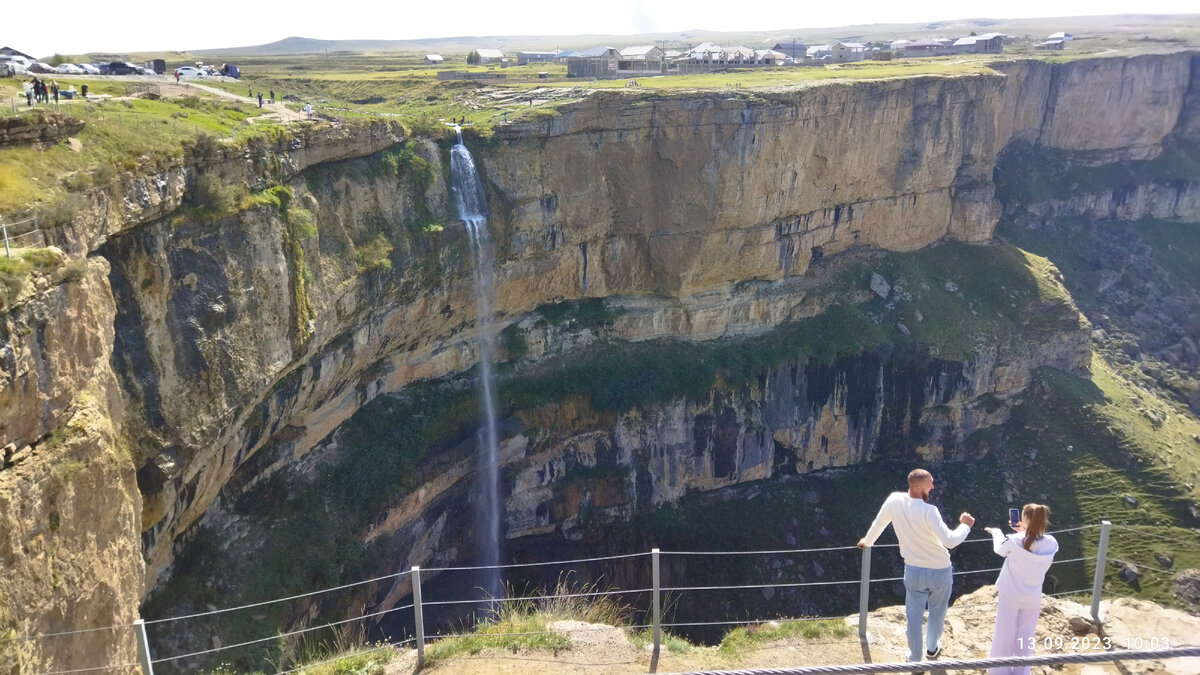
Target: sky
point(79, 26)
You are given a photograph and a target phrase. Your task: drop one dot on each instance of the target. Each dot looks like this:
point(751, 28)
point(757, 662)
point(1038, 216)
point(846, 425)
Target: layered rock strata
point(255, 330)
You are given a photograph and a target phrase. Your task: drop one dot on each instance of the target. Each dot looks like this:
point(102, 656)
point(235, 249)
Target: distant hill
point(1166, 26)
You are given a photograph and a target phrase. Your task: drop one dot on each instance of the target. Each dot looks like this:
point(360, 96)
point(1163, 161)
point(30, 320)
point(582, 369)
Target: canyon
point(686, 302)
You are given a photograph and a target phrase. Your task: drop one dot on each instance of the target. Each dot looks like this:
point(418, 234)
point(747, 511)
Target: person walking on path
point(272, 98)
point(54, 90)
point(260, 99)
point(1027, 554)
point(28, 89)
point(924, 544)
point(308, 109)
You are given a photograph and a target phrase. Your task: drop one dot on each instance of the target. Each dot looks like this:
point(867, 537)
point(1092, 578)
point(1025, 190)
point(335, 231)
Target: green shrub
point(13, 274)
point(742, 639)
point(206, 146)
point(512, 340)
point(66, 471)
point(61, 213)
point(301, 223)
point(76, 270)
point(215, 196)
point(375, 253)
point(42, 259)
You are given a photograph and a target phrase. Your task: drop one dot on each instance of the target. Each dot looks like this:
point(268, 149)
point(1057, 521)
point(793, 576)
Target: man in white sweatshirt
point(924, 543)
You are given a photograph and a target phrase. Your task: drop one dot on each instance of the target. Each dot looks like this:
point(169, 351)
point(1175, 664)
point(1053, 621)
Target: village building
point(1060, 35)
point(434, 60)
point(487, 56)
point(794, 49)
point(988, 43)
point(770, 57)
point(642, 60)
point(535, 57)
point(844, 52)
point(928, 47)
point(9, 51)
point(819, 52)
point(1052, 44)
point(899, 45)
point(598, 62)
point(562, 57)
point(703, 58)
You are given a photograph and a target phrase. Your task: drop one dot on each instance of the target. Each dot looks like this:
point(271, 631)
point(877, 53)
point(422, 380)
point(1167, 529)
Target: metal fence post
point(418, 616)
point(143, 647)
point(1101, 562)
point(656, 605)
point(4, 229)
point(864, 593)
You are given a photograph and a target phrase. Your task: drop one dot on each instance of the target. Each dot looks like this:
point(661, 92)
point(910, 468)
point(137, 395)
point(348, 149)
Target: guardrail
point(654, 611)
point(29, 238)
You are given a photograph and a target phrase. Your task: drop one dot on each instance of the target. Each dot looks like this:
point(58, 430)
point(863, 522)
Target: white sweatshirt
point(924, 537)
point(1020, 580)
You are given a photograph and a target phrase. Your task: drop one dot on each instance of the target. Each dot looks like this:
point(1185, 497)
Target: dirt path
point(600, 649)
point(276, 111)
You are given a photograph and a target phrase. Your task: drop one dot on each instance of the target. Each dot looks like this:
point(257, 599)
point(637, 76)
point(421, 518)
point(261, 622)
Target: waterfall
point(471, 201)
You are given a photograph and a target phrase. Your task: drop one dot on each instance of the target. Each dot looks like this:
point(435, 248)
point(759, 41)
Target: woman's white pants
point(1015, 635)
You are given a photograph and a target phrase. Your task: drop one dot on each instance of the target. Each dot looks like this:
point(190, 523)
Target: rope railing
point(532, 598)
point(287, 599)
point(1134, 529)
point(536, 564)
point(65, 633)
point(90, 670)
point(790, 551)
point(654, 613)
point(278, 636)
point(530, 633)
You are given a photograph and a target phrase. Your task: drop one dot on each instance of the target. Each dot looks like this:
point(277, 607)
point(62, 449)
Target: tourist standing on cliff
point(924, 544)
point(1028, 554)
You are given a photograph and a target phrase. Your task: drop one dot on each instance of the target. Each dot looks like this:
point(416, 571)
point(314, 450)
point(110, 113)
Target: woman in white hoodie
point(1028, 554)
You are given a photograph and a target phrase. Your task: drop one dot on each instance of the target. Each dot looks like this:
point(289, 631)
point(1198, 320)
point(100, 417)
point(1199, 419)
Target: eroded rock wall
point(702, 212)
point(69, 527)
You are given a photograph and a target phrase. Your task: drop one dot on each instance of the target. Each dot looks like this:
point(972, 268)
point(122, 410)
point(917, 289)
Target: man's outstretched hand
point(966, 519)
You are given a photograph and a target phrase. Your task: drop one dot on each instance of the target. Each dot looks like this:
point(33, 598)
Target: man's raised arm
point(882, 520)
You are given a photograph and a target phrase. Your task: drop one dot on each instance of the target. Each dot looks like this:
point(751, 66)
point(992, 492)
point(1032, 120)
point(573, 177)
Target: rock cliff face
point(69, 541)
point(242, 342)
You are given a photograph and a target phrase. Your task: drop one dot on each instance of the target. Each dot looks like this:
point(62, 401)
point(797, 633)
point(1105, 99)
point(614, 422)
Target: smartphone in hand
point(1014, 518)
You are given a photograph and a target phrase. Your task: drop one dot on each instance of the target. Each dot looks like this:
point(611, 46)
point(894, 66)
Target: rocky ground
point(604, 649)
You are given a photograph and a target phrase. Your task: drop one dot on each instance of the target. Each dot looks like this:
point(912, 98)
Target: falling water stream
point(471, 201)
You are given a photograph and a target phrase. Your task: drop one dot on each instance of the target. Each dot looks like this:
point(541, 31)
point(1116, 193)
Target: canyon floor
point(603, 649)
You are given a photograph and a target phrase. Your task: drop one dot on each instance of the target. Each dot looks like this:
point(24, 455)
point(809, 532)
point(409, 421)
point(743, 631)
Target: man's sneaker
point(935, 653)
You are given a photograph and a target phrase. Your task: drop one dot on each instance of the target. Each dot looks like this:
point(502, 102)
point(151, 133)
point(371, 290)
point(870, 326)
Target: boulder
point(1080, 625)
point(880, 285)
point(1186, 587)
point(1129, 573)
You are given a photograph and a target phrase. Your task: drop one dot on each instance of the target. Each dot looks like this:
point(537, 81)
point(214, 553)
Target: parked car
point(123, 68)
point(230, 70)
point(68, 69)
point(188, 71)
point(146, 71)
point(41, 68)
point(16, 64)
point(88, 68)
point(102, 67)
